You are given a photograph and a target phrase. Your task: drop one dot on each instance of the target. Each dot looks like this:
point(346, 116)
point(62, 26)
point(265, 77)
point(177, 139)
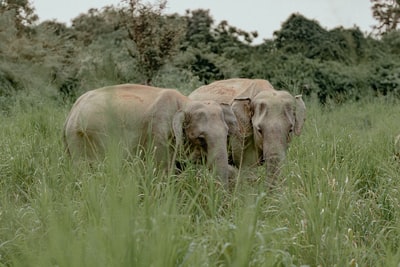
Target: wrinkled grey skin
point(267, 120)
point(137, 117)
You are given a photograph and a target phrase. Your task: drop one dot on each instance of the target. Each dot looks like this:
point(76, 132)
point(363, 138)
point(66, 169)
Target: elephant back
point(225, 91)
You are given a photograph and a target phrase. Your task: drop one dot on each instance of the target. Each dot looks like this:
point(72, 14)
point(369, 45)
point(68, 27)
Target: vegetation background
point(338, 204)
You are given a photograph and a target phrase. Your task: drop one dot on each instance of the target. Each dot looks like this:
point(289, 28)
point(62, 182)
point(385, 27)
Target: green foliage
point(22, 11)
point(100, 57)
point(155, 37)
point(392, 41)
point(387, 13)
point(137, 43)
point(328, 81)
point(96, 24)
point(213, 53)
point(199, 24)
point(301, 35)
point(340, 83)
point(201, 64)
point(16, 54)
point(386, 78)
point(8, 82)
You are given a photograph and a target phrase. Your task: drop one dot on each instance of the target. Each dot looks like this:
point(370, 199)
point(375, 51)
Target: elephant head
point(204, 127)
point(268, 120)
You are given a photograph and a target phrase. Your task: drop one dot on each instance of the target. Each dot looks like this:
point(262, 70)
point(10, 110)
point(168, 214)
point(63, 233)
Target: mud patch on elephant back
point(225, 91)
point(130, 97)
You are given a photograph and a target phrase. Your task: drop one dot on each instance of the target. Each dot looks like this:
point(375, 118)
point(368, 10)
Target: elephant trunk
point(273, 166)
point(274, 153)
point(217, 160)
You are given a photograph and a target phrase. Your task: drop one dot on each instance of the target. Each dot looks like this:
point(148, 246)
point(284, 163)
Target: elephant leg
point(162, 150)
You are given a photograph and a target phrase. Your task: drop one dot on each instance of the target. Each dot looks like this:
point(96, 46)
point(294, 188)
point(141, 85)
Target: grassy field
point(337, 205)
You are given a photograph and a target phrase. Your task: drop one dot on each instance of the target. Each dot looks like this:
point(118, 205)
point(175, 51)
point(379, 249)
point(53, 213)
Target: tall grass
point(337, 205)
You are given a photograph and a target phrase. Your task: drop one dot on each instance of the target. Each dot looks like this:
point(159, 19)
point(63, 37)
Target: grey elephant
point(267, 120)
point(138, 116)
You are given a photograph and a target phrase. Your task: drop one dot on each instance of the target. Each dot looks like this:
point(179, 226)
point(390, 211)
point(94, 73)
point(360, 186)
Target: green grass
point(338, 204)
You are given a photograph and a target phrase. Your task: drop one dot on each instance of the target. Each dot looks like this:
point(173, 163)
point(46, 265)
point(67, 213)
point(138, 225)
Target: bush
point(341, 83)
point(8, 83)
point(386, 77)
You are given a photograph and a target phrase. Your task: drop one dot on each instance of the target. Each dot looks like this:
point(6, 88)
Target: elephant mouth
point(270, 159)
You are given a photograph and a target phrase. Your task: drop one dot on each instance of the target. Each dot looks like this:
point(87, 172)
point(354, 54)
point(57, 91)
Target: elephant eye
point(291, 128)
point(259, 130)
point(290, 133)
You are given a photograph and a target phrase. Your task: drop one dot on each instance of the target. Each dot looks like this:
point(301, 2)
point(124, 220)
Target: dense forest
point(139, 43)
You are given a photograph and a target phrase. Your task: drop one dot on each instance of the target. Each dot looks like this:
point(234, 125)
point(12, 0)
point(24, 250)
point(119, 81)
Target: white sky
point(263, 16)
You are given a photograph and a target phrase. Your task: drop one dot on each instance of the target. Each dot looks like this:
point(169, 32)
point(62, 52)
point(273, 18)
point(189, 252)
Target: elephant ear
point(230, 119)
point(300, 114)
point(241, 107)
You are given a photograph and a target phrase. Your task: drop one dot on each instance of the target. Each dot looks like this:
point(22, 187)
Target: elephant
point(267, 120)
point(139, 116)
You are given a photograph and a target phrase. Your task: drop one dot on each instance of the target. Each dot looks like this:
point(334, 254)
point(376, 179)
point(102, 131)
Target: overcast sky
point(263, 16)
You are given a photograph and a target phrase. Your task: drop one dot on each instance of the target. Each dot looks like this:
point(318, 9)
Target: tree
point(155, 37)
point(213, 52)
point(387, 13)
point(301, 35)
point(18, 48)
point(198, 28)
point(24, 13)
point(96, 23)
